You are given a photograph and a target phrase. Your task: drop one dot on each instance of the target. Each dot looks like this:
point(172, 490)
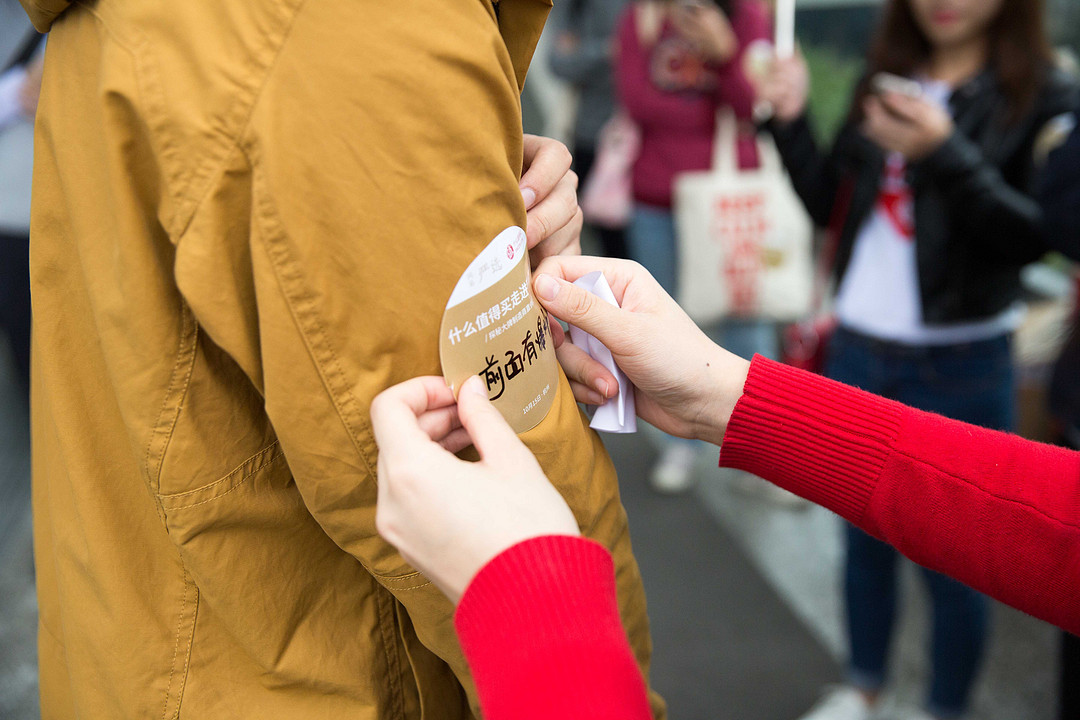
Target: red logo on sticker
point(510, 252)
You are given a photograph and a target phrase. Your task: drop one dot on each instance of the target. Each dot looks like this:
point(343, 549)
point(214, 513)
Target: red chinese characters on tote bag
point(744, 238)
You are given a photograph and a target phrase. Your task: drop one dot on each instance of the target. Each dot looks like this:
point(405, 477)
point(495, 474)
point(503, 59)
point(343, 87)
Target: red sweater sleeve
point(539, 626)
point(996, 512)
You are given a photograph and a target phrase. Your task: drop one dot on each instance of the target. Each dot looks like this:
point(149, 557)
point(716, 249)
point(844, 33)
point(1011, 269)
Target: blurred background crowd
point(762, 605)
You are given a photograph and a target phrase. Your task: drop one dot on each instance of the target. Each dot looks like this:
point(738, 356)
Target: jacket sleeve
point(1007, 221)
point(994, 511)
point(1060, 197)
point(814, 174)
point(381, 155)
point(385, 151)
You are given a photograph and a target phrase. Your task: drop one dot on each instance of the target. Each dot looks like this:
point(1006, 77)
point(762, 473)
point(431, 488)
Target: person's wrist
point(725, 377)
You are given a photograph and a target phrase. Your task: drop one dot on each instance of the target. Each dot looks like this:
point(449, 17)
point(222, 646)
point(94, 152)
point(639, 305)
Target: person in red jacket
point(536, 614)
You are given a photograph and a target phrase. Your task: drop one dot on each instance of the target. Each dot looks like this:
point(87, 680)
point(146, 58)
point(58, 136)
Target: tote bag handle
point(725, 152)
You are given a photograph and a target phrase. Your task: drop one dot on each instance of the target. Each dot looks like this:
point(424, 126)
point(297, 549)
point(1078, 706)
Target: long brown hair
point(1020, 52)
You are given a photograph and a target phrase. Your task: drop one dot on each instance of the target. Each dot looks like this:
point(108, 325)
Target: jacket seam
point(144, 64)
point(390, 652)
point(186, 335)
point(176, 646)
point(187, 657)
point(269, 449)
point(413, 587)
point(310, 326)
point(255, 471)
point(232, 142)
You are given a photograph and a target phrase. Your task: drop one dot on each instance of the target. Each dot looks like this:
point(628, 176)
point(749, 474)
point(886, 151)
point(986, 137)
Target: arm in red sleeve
point(539, 626)
point(996, 512)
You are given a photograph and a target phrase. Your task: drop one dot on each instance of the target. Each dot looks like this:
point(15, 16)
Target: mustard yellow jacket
point(247, 218)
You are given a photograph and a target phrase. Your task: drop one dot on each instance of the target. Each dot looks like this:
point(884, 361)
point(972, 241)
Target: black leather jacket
point(1060, 195)
point(976, 220)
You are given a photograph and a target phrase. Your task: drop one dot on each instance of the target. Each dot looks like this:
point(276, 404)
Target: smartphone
point(885, 82)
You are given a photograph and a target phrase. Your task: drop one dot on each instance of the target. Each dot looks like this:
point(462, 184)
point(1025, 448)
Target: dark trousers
point(612, 241)
point(15, 301)
point(972, 382)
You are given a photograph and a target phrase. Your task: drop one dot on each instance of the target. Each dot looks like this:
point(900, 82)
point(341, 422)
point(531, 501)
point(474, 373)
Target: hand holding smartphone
point(884, 82)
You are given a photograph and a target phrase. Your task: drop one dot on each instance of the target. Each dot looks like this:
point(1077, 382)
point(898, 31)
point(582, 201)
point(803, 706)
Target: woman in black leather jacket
point(928, 192)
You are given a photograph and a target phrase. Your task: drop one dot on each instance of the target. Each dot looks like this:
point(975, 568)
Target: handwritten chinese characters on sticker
point(516, 363)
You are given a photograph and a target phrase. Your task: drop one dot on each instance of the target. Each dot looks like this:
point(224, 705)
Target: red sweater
point(673, 98)
point(539, 624)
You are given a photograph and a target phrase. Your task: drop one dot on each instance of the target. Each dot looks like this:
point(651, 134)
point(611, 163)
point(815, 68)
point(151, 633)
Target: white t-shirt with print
point(879, 295)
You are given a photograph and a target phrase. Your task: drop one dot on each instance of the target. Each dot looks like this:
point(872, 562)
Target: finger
point(490, 433)
point(395, 412)
point(874, 117)
point(547, 161)
point(621, 275)
point(553, 212)
point(586, 395)
point(903, 107)
point(558, 335)
point(571, 268)
point(456, 441)
point(575, 305)
point(437, 424)
point(582, 368)
point(564, 241)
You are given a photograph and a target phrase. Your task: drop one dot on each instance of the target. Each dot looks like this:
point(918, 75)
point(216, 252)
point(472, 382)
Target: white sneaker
point(674, 471)
point(841, 703)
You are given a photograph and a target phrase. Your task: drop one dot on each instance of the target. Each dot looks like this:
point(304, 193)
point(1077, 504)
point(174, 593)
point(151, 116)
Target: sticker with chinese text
point(494, 327)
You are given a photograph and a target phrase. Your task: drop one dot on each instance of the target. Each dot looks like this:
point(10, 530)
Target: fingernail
point(602, 387)
point(474, 385)
point(592, 398)
point(529, 196)
point(546, 286)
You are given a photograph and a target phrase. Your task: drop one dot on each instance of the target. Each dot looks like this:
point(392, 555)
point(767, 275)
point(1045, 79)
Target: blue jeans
point(972, 382)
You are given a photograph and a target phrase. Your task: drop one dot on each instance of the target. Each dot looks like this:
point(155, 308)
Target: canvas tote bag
point(744, 238)
point(607, 198)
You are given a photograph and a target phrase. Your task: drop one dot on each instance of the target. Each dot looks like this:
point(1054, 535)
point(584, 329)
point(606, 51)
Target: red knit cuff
point(540, 628)
point(544, 572)
point(815, 437)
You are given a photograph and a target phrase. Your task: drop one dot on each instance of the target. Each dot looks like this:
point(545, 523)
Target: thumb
point(576, 306)
point(490, 432)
